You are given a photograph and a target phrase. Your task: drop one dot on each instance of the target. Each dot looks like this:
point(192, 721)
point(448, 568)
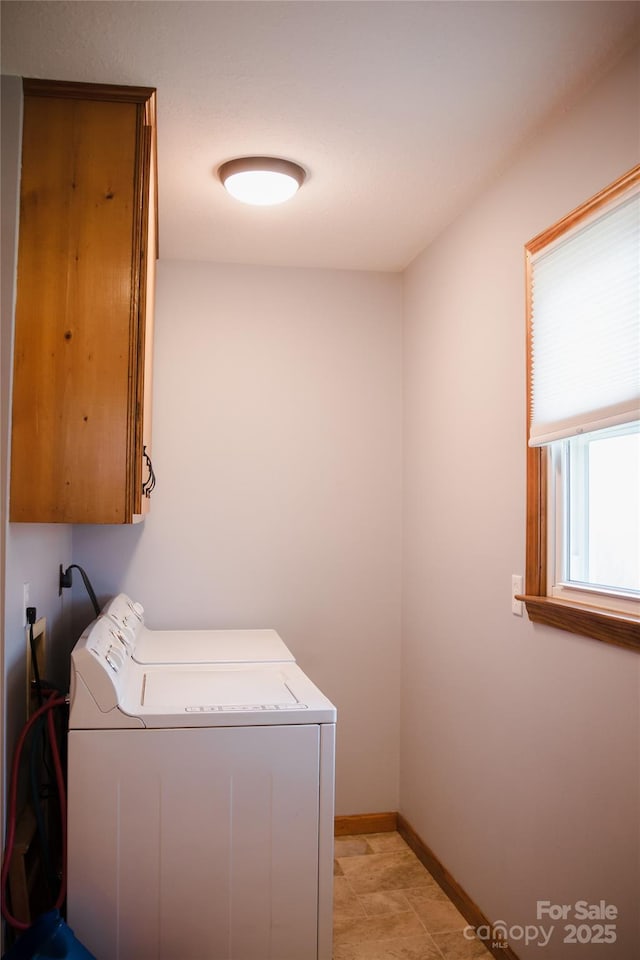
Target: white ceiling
point(400, 111)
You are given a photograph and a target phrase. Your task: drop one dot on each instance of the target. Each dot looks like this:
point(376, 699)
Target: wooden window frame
point(608, 626)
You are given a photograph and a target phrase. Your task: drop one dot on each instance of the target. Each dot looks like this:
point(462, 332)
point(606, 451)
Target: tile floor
point(387, 906)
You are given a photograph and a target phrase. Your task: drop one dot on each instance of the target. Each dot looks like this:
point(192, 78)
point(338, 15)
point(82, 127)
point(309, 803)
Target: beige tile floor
point(387, 906)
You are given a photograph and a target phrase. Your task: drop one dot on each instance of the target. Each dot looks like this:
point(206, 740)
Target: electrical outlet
point(516, 587)
point(64, 579)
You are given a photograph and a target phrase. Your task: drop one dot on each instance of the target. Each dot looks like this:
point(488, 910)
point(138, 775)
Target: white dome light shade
point(261, 181)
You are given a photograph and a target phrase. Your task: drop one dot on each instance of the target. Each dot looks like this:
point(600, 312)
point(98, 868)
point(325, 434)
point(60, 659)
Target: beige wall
point(277, 407)
point(520, 745)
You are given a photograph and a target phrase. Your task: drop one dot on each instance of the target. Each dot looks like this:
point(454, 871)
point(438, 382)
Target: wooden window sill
point(623, 630)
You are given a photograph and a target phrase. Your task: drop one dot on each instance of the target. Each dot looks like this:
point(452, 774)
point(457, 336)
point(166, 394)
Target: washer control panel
point(100, 658)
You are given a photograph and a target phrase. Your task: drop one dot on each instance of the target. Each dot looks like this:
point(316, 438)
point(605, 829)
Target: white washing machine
point(201, 789)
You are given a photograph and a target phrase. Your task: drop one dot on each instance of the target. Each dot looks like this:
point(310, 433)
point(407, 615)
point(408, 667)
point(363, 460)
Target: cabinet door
point(79, 340)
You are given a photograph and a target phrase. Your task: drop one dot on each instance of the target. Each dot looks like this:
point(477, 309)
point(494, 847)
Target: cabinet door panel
point(77, 346)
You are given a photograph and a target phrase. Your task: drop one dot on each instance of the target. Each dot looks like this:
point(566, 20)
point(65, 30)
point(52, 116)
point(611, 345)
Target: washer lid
point(214, 695)
point(216, 688)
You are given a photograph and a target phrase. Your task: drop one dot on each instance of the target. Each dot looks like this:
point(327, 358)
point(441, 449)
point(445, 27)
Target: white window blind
point(585, 327)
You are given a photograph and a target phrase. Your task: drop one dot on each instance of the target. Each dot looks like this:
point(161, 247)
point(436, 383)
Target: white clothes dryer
point(192, 646)
point(201, 795)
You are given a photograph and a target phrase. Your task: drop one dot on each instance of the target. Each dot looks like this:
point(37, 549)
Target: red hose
point(13, 800)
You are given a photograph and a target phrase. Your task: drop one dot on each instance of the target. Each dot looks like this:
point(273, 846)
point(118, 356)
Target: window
point(583, 469)
point(594, 496)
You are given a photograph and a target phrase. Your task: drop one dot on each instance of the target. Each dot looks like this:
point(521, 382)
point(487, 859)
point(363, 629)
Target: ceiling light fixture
point(262, 181)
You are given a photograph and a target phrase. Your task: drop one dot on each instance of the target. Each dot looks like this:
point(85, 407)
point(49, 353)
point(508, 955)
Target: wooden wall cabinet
point(84, 310)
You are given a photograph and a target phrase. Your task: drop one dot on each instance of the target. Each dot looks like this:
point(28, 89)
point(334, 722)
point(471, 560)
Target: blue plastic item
point(49, 938)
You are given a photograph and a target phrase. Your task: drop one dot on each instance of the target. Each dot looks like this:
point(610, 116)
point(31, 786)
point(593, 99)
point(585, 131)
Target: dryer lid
point(210, 646)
